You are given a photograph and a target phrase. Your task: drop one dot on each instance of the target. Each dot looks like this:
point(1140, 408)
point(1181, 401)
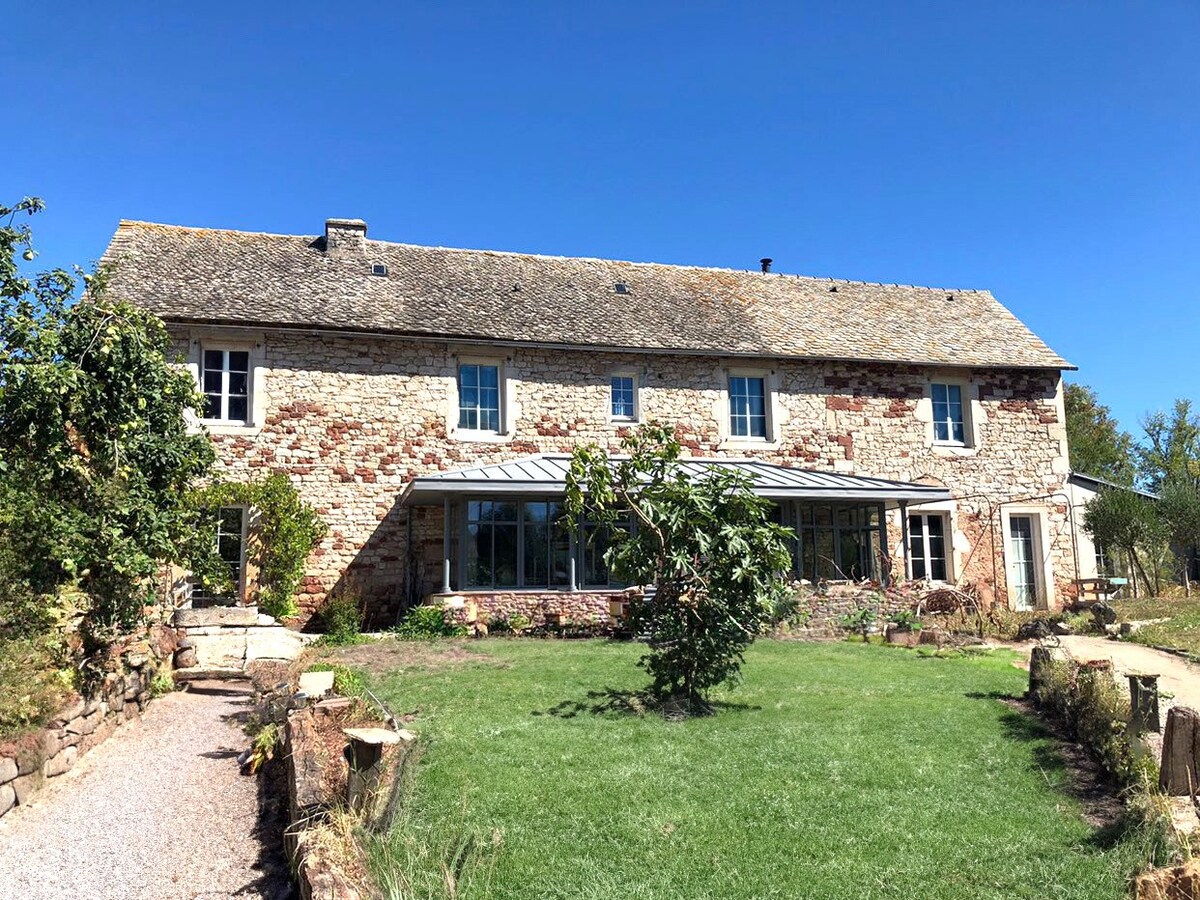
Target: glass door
point(1022, 565)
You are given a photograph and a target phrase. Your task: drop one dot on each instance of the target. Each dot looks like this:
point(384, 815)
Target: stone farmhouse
point(424, 400)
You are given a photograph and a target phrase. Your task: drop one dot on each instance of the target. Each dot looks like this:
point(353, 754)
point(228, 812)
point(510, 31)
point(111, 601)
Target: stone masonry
point(352, 419)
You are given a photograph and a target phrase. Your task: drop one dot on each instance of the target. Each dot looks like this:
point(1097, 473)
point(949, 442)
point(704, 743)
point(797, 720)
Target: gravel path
point(159, 810)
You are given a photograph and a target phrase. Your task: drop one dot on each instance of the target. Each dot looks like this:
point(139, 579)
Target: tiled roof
point(208, 275)
point(546, 475)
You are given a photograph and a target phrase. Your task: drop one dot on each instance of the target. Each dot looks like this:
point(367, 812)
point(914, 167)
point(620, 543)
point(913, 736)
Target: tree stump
point(365, 755)
point(1143, 703)
point(1181, 753)
point(1041, 663)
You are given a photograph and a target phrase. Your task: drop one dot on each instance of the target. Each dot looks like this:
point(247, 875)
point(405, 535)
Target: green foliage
point(162, 684)
point(1179, 507)
point(34, 682)
point(905, 619)
point(287, 531)
point(424, 622)
point(267, 742)
point(707, 545)
point(1098, 445)
point(95, 452)
point(859, 620)
point(1123, 520)
point(342, 619)
point(1095, 710)
point(514, 623)
point(1171, 448)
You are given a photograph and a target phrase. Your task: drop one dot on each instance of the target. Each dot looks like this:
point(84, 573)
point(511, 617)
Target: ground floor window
point(230, 534)
point(1023, 587)
point(840, 542)
point(927, 546)
point(527, 544)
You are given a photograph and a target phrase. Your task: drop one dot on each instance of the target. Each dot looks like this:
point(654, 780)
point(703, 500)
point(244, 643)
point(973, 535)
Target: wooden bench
point(1103, 587)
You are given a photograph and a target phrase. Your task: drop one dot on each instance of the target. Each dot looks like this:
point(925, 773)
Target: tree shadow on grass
point(612, 703)
point(1067, 768)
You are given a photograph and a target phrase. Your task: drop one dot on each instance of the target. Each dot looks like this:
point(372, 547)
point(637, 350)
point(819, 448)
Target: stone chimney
point(345, 236)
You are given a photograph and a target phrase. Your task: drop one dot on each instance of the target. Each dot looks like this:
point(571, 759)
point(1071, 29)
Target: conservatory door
point(1022, 563)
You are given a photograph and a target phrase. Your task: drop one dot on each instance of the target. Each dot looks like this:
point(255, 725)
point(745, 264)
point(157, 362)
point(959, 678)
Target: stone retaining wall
point(87, 721)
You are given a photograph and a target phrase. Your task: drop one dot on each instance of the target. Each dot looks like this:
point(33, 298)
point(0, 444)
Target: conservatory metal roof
point(546, 475)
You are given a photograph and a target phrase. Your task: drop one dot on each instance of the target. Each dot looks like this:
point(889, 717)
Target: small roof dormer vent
point(379, 269)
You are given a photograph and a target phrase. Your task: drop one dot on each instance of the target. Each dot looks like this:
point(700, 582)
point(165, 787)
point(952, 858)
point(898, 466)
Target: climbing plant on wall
point(287, 531)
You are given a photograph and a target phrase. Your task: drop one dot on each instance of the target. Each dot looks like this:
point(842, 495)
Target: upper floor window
point(949, 424)
point(747, 406)
point(479, 397)
point(225, 379)
point(624, 398)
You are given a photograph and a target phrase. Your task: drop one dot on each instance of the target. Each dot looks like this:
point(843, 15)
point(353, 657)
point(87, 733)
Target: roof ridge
point(560, 257)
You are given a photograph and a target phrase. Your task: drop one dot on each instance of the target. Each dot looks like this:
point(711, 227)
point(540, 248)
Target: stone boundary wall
point(308, 802)
point(87, 721)
point(826, 609)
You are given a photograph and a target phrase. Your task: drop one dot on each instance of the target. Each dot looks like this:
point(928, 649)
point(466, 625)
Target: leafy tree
point(1125, 521)
point(95, 453)
point(1171, 449)
point(1098, 445)
point(708, 546)
point(1179, 508)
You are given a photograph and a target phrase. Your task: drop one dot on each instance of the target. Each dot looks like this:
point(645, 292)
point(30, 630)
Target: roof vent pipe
point(765, 262)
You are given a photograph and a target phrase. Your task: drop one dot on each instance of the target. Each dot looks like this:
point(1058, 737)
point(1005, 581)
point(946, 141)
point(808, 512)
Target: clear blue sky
point(1047, 151)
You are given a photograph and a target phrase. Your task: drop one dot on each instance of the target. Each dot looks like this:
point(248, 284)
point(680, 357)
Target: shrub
point(859, 620)
point(508, 623)
point(905, 619)
point(347, 682)
point(32, 685)
point(342, 618)
point(162, 684)
point(423, 622)
point(1094, 709)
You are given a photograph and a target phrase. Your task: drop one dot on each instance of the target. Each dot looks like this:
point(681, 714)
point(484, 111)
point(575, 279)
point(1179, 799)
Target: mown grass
point(834, 771)
point(1181, 632)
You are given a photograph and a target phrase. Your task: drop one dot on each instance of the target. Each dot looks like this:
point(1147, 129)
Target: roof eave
point(398, 334)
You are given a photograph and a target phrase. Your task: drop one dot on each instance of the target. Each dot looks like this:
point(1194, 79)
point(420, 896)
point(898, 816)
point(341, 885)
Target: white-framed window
point(225, 382)
point(230, 536)
point(949, 413)
point(927, 546)
point(748, 407)
point(479, 404)
point(623, 405)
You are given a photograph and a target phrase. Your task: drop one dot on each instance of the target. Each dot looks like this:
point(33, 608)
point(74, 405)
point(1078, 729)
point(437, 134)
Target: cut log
point(1143, 703)
point(1181, 753)
point(1041, 663)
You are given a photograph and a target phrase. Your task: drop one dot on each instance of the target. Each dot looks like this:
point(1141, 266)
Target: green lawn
point(836, 771)
point(1183, 629)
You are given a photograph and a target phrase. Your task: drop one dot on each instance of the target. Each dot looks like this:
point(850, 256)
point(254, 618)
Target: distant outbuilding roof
point(341, 281)
point(546, 475)
point(1095, 483)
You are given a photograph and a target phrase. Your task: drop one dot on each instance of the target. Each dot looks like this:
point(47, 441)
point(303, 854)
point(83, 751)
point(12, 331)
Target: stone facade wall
point(352, 419)
point(85, 722)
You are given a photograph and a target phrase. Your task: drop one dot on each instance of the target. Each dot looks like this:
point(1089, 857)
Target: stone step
point(216, 615)
point(207, 673)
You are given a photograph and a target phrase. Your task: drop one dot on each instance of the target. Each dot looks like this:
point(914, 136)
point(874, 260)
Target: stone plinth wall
point(574, 607)
point(86, 722)
point(826, 609)
point(352, 420)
